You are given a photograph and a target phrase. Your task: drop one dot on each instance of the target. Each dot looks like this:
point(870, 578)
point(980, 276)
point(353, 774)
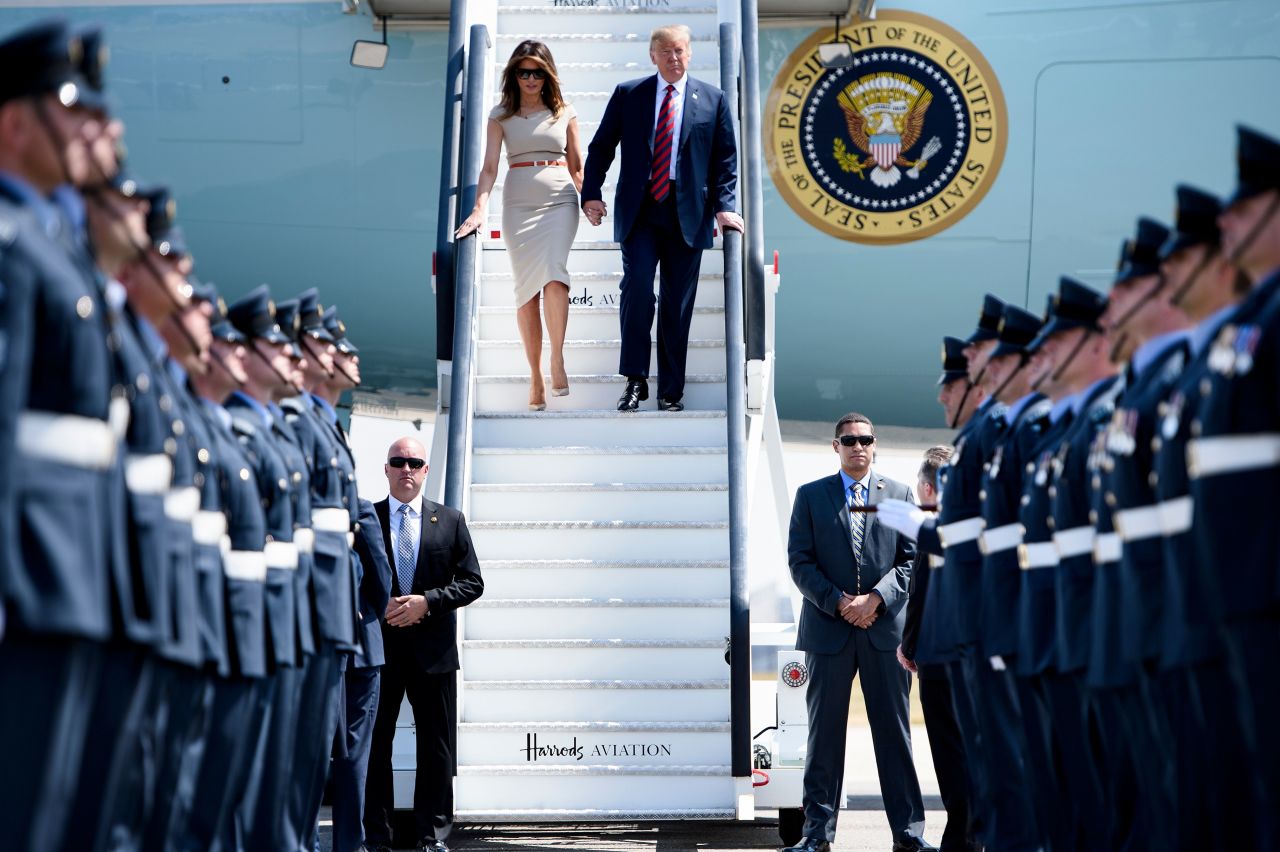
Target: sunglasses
point(400, 461)
point(850, 440)
point(531, 74)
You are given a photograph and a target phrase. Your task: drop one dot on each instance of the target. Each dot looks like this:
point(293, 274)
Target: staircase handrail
point(736, 415)
point(449, 183)
point(751, 184)
point(466, 274)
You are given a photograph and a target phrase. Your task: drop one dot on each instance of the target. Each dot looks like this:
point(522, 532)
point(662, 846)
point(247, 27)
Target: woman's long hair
point(538, 52)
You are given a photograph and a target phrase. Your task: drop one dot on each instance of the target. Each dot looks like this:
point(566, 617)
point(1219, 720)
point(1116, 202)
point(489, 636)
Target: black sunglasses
point(531, 73)
point(401, 461)
point(850, 440)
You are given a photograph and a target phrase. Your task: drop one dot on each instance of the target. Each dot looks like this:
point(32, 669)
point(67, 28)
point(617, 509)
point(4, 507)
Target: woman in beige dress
point(539, 202)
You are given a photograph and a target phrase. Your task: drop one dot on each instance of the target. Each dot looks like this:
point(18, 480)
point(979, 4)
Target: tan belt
point(528, 163)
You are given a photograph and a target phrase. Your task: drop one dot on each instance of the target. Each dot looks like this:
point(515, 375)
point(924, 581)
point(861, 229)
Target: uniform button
point(84, 307)
point(1049, 522)
point(1025, 501)
point(1108, 464)
point(1110, 498)
point(297, 477)
point(982, 494)
point(284, 483)
point(1031, 467)
point(166, 403)
point(986, 465)
point(345, 501)
point(198, 480)
point(269, 538)
point(1156, 444)
point(142, 382)
point(351, 477)
point(1196, 428)
point(1162, 409)
point(203, 455)
point(170, 446)
point(244, 474)
point(333, 462)
point(1053, 491)
point(1093, 516)
point(1205, 387)
point(179, 428)
point(1022, 529)
point(1153, 478)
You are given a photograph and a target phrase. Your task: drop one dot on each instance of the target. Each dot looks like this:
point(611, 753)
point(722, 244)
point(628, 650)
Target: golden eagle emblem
point(884, 113)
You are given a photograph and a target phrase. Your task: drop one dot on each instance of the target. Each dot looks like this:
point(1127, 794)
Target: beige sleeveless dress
point(539, 203)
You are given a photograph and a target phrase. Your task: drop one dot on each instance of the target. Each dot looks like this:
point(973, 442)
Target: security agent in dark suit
point(1235, 450)
point(853, 573)
point(369, 554)
point(679, 169)
point(945, 743)
point(434, 572)
point(59, 445)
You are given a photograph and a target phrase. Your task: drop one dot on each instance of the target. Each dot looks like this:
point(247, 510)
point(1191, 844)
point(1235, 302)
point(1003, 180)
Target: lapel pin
point(693, 95)
point(434, 519)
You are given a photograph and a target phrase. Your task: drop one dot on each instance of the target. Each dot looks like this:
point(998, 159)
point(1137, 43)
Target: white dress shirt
point(677, 115)
point(413, 519)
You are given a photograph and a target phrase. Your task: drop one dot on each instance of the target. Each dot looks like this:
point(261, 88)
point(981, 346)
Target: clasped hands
point(595, 211)
point(859, 610)
point(406, 610)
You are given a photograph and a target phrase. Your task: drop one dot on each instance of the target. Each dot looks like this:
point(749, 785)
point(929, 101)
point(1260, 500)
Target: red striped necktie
point(660, 176)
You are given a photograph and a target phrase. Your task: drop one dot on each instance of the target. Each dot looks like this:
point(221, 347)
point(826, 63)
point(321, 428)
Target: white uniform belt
point(959, 532)
point(181, 504)
point(351, 540)
point(1106, 548)
point(1232, 454)
point(208, 528)
point(936, 561)
point(148, 474)
point(1175, 515)
point(330, 520)
point(70, 439)
point(1040, 554)
point(1074, 542)
point(1137, 524)
point(1000, 539)
point(281, 554)
point(305, 540)
point(248, 565)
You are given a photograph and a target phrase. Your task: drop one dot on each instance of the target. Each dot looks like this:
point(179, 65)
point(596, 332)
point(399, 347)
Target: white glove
point(902, 516)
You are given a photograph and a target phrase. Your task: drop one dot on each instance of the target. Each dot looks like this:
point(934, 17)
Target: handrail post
point(736, 415)
point(447, 206)
point(749, 152)
point(473, 124)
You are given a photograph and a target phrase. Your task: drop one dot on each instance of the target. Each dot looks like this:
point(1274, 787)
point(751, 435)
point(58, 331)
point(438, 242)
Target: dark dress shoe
point(913, 843)
point(670, 405)
point(637, 392)
point(810, 844)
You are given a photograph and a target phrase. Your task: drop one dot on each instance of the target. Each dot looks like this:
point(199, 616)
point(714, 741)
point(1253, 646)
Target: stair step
point(610, 74)
point(524, 618)
point(589, 356)
point(603, 426)
point(636, 578)
point(598, 266)
point(632, 463)
point(593, 743)
point(610, 47)
point(593, 700)
point(502, 659)
point(619, 500)
point(639, 787)
point(595, 603)
point(592, 815)
point(536, 771)
point(511, 392)
point(600, 540)
point(595, 322)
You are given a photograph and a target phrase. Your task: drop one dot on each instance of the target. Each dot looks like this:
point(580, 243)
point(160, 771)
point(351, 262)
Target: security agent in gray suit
point(853, 574)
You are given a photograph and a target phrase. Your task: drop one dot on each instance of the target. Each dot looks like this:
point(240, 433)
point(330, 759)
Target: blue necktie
point(405, 561)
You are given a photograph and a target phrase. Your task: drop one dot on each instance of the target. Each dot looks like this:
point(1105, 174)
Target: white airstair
point(596, 682)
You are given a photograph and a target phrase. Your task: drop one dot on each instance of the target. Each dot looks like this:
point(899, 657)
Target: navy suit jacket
point(706, 162)
point(820, 553)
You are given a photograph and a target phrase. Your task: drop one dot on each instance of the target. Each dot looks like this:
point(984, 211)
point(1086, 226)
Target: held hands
point(595, 211)
point(406, 610)
point(731, 221)
point(901, 516)
point(905, 663)
point(471, 223)
point(861, 610)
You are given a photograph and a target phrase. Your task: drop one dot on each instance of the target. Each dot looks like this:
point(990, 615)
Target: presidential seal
point(795, 674)
point(899, 145)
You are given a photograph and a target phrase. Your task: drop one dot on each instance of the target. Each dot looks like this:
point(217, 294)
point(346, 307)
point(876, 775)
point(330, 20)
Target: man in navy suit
point(853, 573)
point(679, 166)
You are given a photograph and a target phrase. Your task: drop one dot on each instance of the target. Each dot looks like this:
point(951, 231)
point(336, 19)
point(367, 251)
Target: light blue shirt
point(46, 212)
point(322, 405)
point(1078, 401)
point(1060, 407)
point(865, 482)
point(224, 416)
point(262, 410)
point(1014, 411)
point(1145, 354)
point(1207, 328)
point(414, 519)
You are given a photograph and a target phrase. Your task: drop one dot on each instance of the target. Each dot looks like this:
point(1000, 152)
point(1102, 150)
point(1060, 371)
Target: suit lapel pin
point(693, 95)
point(434, 519)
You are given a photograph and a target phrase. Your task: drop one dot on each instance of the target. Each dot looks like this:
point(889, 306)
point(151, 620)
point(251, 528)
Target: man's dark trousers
point(434, 701)
point(351, 771)
point(947, 749)
point(656, 245)
point(885, 688)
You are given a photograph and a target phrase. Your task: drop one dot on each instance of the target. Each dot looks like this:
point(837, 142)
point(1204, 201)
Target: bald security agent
point(435, 572)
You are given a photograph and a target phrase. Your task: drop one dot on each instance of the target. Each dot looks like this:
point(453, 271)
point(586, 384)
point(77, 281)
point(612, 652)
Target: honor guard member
point(1131, 705)
point(241, 699)
point(263, 437)
point(950, 620)
point(331, 583)
point(363, 675)
point(1074, 308)
point(60, 433)
point(1203, 284)
point(1234, 450)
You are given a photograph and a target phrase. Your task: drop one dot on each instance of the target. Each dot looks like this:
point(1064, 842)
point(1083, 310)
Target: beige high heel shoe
point(564, 391)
